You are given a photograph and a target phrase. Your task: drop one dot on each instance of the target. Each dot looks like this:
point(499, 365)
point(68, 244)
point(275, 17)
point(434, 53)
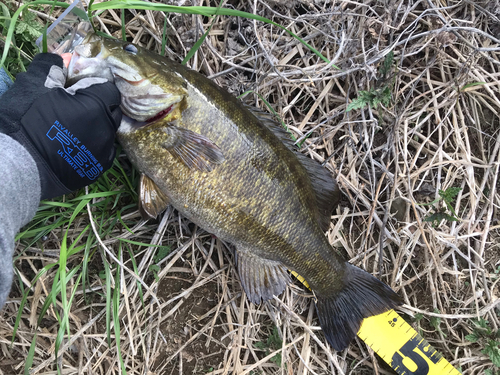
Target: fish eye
point(130, 48)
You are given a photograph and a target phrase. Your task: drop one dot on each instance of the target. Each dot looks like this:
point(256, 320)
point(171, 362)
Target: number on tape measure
point(397, 343)
point(416, 349)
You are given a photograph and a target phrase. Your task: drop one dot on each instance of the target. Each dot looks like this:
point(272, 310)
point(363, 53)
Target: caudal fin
point(341, 314)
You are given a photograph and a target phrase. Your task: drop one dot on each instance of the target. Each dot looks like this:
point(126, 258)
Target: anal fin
point(152, 201)
point(261, 278)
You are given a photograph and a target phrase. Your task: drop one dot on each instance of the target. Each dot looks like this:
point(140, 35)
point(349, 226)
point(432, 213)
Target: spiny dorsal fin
point(323, 183)
point(261, 278)
point(194, 150)
point(152, 201)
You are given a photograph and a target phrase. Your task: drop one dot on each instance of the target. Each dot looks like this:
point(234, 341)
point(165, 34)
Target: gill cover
point(145, 92)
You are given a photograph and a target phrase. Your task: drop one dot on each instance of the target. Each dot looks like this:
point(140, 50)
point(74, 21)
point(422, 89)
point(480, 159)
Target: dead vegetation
point(437, 128)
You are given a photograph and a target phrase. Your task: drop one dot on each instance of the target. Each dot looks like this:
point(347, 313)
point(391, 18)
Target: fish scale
point(234, 172)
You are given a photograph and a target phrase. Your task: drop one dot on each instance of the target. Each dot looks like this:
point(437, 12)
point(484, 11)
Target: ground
point(403, 108)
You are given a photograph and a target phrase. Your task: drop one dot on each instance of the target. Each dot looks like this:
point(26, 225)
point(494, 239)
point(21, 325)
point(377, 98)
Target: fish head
point(150, 87)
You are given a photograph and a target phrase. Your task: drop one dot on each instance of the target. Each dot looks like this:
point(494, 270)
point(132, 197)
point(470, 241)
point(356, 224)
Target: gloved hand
point(69, 132)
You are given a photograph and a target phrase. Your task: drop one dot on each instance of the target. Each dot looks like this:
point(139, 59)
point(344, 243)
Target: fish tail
point(341, 313)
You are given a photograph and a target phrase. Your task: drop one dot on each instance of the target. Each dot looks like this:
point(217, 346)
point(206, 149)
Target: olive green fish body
point(233, 172)
point(260, 187)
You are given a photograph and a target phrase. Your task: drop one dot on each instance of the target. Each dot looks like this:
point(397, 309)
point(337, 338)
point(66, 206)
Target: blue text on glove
point(77, 156)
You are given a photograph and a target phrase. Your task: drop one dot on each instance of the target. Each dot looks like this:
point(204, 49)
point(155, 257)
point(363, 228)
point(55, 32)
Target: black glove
point(69, 132)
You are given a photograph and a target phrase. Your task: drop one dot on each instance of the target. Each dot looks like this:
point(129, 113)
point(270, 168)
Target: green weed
point(446, 212)
point(418, 318)
point(483, 335)
point(272, 343)
point(377, 95)
point(25, 32)
point(469, 85)
point(435, 322)
point(160, 254)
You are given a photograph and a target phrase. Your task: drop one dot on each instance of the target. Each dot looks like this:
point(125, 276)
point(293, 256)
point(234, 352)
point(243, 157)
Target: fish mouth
point(141, 99)
point(88, 60)
point(130, 124)
point(160, 115)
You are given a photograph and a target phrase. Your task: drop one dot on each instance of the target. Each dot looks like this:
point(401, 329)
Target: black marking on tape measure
point(417, 350)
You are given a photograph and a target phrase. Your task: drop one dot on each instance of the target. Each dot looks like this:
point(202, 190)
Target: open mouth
point(144, 101)
point(160, 115)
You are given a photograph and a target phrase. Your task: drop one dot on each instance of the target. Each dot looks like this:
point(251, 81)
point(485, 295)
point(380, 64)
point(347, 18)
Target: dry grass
point(436, 133)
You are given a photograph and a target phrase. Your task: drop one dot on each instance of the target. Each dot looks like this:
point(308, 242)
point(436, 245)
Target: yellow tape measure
point(398, 344)
point(402, 347)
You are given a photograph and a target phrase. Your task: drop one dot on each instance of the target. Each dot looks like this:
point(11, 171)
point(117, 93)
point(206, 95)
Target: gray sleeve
point(19, 199)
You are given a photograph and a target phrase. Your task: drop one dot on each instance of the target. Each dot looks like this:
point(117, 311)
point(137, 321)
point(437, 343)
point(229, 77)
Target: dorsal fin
point(324, 185)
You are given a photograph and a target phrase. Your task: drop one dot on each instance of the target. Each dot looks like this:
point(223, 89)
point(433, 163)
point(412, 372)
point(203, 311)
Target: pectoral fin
point(194, 150)
point(152, 201)
point(261, 278)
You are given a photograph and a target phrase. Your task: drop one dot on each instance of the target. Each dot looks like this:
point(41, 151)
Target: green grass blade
point(116, 313)
point(21, 306)
point(44, 39)
point(138, 243)
point(47, 204)
point(64, 323)
point(25, 294)
point(164, 36)
point(12, 26)
point(78, 208)
point(73, 249)
point(101, 194)
point(119, 215)
point(6, 15)
point(205, 11)
point(200, 41)
point(134, 265)
point(465, 87)
point(89, 12)
point(123, 174)
point(85, 263)
point(109, 298)
point(30, 356)
point(39, 232)
point(50, 297)
point(124, 32)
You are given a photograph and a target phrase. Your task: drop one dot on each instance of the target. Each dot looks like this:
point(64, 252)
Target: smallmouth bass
point(234, 172)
